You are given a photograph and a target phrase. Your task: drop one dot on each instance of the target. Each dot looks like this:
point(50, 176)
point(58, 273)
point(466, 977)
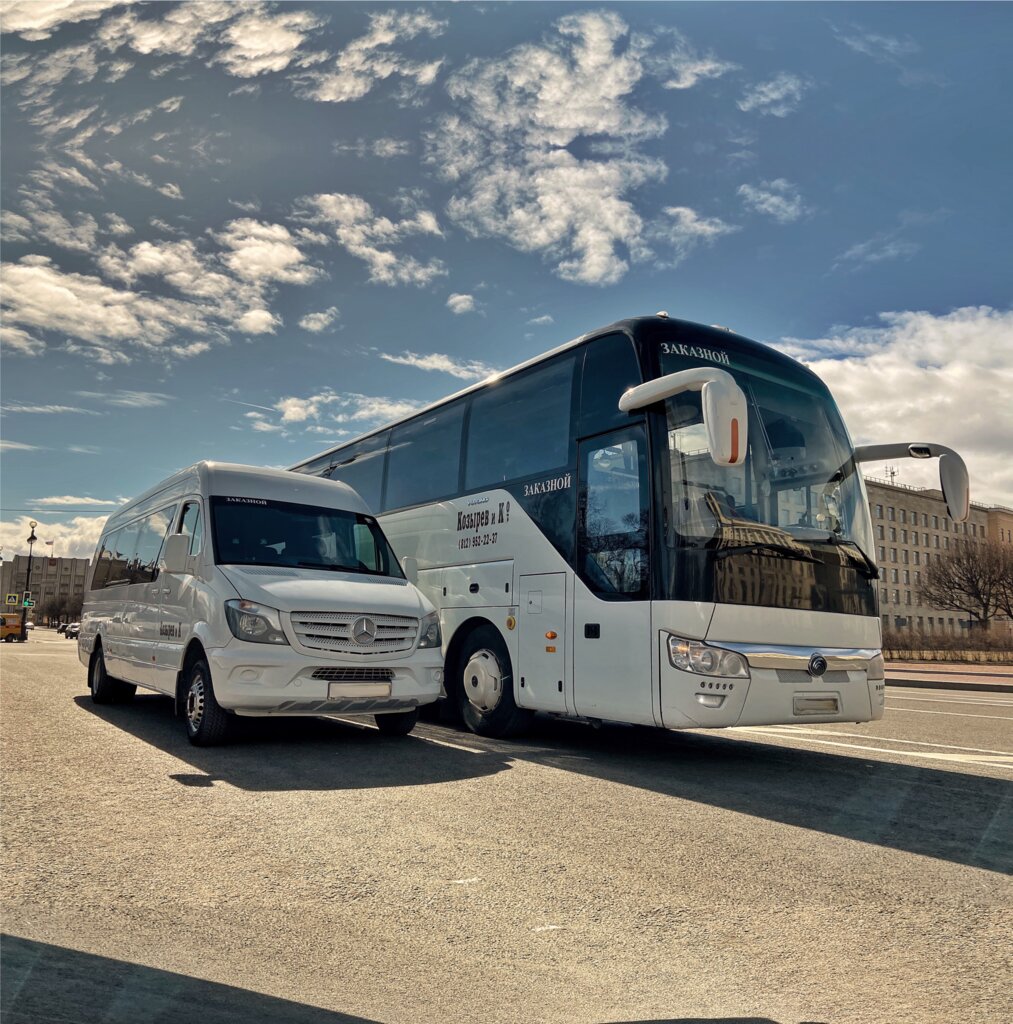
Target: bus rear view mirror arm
point(952, 471)
point(722, 401)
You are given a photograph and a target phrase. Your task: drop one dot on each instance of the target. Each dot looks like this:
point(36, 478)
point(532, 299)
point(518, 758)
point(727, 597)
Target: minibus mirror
point(722, 401)
point(410, 566)
point(952, 472)
point(176, 554)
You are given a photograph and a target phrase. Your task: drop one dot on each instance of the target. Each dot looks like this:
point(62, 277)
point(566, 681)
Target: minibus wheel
point(105, 689)
point(207, 722)
point(485, 686)
point(397, 723)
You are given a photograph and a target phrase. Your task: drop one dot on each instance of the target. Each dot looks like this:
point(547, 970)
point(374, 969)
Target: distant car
point(62, 628)
point(72, 631)
point(29, 625)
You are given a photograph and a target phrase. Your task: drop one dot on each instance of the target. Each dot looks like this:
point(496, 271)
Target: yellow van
point(11, 627)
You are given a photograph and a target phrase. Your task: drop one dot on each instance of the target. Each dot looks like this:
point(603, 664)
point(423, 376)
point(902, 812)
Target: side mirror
point(410, 566)
point(722, 401)
point(953, 480)
point(176, 554)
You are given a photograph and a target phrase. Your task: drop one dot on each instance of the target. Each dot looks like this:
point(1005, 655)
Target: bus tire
point(397, 723)
point(485, 686)
point(105, 689)
point(207, 722)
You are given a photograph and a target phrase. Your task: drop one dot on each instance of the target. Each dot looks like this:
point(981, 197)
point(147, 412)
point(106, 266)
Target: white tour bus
point(658, 523)
point(236, 593)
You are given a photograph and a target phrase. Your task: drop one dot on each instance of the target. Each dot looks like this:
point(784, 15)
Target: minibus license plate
point(338, 690)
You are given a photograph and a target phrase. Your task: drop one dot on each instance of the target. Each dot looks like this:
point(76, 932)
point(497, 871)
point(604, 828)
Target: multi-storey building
point(53, 579)
point(912, 531)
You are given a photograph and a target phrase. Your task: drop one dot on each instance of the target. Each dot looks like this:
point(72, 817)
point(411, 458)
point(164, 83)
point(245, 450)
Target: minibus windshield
point(256, 531)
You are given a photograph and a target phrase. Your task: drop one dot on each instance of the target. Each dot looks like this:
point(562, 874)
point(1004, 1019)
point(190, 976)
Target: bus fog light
point(437, 675)
point(701, 658)
point(710, 700)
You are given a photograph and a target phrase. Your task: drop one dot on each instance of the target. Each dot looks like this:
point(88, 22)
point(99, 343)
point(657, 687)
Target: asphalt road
point(316, 871)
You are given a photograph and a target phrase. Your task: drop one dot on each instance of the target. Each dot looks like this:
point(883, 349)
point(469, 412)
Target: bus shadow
point(41, 982)
point(966, 819)
point(297, 753)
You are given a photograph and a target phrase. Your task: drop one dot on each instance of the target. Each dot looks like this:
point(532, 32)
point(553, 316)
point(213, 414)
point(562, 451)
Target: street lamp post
point(28, 581)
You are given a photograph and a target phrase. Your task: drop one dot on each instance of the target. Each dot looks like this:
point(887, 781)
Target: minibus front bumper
point(259, 680)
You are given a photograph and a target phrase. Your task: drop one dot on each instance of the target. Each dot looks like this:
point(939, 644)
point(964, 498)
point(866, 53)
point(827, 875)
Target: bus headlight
point(429, 631)
point(704, 660)
point(255, 623)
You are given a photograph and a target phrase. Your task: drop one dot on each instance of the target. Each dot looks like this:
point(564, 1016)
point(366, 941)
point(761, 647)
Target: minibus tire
point(506, 718)
point(105, 689)
point(397, 723)
point(207, 722)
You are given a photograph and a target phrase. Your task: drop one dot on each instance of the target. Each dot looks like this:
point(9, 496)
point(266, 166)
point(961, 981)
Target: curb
point(951, 684)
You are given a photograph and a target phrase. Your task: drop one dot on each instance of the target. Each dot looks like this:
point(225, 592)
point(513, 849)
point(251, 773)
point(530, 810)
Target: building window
point(893, 575)
point(918, 576)
point(885, 594)
point(918, 558)
point(907, 575)
point(925, 519)
point(893, 533)
point(935, 522)
point(907, 596)
point(946, 525)
point(881, 532)
point(882, 554)
point(925, 539)
point(896, 597)
point(879, 511)
point(946, 543)
point(891, 513)
point(903, 515)
point(903, 536)
point(936, 539)
point(906, 555)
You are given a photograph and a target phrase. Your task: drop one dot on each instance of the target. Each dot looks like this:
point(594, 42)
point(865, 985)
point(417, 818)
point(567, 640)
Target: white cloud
point(371, 59)
point(260, 42)
point(683, 230)
point(384, 148)
point(458, 303)
point(509, 146)
point(779, 97)
point(76, 538)
point(462, 369)
point(779, 199)
point(542, 321)
point(117, 225)
point(370, 237)
point(17, 446)
point(124, 399)
point(15, 340)
point(38, 19)
point(177, 34)
point(264, 252)
point(317, 322)
point(170, 190)
point(67, 499)
point(924, 377)
point(881, 248)
point(46, 410)
point(339, 408)
point(258, 321)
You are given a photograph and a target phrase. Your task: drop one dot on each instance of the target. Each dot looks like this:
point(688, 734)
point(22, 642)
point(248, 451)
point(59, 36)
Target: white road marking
point(548, 928)
point(988, 702)
point(999, 761)
point(465, 881)
point(790, 729)
point(949, 714)
point(444, 743)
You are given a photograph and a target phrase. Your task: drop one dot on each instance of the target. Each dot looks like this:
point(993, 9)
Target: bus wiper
point(331, 567)
point(860, 560)
point(768, 547)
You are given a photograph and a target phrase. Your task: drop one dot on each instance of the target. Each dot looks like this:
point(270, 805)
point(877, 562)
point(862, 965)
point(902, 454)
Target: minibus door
point(612, 656)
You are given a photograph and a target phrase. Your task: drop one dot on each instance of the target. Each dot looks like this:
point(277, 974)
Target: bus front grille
point(354, 675)
point(333, 631)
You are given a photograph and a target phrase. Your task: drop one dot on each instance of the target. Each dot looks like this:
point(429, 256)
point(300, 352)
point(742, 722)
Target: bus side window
point(610, 368)
point(365, 548)
point(613, 515)
point(191, 524)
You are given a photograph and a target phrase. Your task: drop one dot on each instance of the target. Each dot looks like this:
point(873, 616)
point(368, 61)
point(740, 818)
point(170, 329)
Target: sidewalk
point(941, 675)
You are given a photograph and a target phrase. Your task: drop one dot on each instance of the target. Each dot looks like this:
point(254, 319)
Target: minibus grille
point(354, 675)
point(332, 631)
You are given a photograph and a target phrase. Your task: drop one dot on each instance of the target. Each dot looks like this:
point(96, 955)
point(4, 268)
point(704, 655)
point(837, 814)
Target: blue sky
point(247, 231)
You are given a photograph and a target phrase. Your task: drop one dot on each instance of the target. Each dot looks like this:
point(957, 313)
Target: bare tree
point(969, 579)
point(1006, 579)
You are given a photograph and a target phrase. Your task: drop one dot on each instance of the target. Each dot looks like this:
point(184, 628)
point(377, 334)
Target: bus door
point(612, 656)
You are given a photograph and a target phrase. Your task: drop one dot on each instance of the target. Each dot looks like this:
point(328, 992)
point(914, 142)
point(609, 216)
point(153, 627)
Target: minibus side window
point(192, 525)
point(149, 545)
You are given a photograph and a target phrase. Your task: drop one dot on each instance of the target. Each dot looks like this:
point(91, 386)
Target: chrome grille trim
point(799, 675)
point(355, 675)
point(332, 631)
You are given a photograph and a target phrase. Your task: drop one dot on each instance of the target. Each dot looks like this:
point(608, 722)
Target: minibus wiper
point(336, 568)
point(768, 547)
point(861, 561)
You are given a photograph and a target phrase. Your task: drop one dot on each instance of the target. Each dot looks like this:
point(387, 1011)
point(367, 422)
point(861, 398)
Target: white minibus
point(241, 591)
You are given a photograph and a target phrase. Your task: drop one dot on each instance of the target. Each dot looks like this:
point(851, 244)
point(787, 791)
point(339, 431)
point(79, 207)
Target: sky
point(249, 231)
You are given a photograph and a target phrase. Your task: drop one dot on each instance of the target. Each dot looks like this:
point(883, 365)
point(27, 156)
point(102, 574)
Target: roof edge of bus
point(624, 324)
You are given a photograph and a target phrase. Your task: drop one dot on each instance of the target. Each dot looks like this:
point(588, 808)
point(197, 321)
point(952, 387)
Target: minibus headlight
point(704, 660)
point(429, 631)
point(254, 622)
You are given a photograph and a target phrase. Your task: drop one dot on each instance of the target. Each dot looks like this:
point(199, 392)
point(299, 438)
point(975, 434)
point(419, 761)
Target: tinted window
point(361, 467)
point(102, 561)
point(153, 528)
point(424, 458)
point(610, 368)
point(192, 525)
point(520, 426)
point(122, 545)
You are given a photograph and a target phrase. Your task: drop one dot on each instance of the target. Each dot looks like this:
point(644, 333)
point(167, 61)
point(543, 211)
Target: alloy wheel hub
point(483, 680)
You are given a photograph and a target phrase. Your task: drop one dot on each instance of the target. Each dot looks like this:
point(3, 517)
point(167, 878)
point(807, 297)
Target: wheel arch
point(456, 645)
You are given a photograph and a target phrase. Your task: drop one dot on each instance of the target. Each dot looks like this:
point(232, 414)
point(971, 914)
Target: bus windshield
point(253, 531)
point(789, 526)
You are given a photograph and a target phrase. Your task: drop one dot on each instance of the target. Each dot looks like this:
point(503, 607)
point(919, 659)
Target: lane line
point(956, 700)
point(796, 729)
point(949, 714)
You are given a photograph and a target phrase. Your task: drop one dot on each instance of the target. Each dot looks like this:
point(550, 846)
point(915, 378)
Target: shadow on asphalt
point(297, 753)
point(953, 816)
point(40, 982)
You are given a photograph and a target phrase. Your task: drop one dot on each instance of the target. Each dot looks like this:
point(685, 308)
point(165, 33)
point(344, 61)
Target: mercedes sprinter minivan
point(240, 591)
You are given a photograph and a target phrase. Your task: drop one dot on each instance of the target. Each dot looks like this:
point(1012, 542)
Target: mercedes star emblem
point(817, 665)
point(364, 631)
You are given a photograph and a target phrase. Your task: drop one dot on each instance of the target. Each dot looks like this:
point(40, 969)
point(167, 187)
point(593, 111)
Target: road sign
point(12, 599)
point(28, 604)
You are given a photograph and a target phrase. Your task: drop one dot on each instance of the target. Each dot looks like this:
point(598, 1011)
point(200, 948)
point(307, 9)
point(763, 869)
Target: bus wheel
point(105, 689)
point(397, 723)
point(207, 722)
point(485, 686)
